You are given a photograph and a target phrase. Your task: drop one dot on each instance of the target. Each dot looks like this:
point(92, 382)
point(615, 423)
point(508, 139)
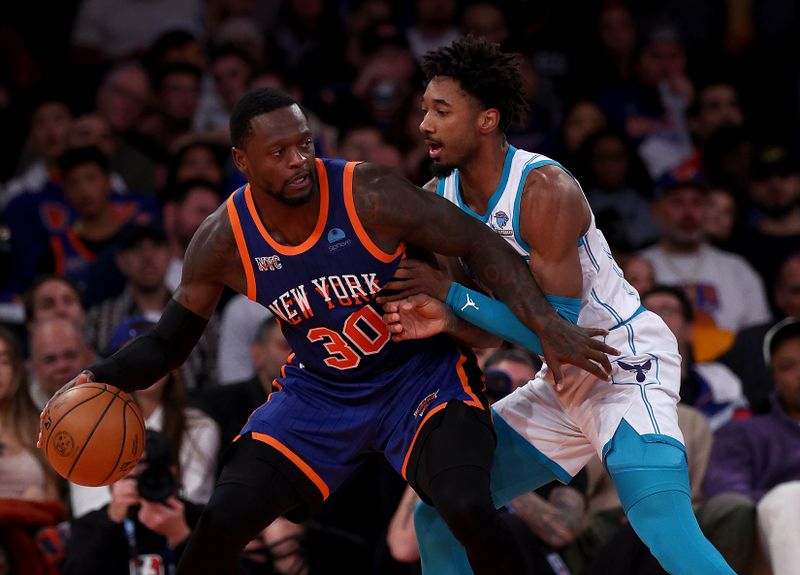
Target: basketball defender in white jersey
point(551, 427)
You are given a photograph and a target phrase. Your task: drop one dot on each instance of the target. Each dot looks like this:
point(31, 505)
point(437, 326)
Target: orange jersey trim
point(244, 255)
point(59, 265)
point(80, 247)
point(293, 457)
point(318, 229)
point(462, 375)
point(413, 441)
point(350, 205)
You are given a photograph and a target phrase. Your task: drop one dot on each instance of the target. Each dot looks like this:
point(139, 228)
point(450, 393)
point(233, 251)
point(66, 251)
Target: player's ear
point(239, 159)
point(489, 120)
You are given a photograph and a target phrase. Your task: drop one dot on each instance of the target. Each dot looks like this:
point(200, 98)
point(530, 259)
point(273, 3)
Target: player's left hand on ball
point(83, 377)
point(415, 277)
point(416, 317)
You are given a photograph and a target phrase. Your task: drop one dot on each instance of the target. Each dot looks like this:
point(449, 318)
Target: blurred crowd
point(680, 119)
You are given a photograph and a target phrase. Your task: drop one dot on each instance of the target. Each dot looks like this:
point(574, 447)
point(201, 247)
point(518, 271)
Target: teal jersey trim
point(498, 193)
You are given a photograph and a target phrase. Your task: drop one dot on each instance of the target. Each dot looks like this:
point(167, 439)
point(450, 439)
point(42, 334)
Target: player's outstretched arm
point(393, 209)
point(208, 265)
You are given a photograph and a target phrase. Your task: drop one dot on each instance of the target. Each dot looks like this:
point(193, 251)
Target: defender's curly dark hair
point(484, 72)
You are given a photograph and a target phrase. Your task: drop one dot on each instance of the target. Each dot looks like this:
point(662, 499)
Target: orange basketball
point(93, 434)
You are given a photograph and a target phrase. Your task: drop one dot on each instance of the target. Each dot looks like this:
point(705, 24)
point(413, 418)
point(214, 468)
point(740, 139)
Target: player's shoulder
point(551, 179)
point(213, 243)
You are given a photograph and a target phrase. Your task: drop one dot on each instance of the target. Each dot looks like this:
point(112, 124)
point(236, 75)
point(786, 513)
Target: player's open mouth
point(434, 149)
point(299, 182)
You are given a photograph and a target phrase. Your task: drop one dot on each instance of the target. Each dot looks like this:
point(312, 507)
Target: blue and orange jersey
point(72, 258)
point(323, 291)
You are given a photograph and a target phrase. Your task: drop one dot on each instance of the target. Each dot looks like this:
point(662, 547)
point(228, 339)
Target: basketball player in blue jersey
point(548, 429)
point(315, 240)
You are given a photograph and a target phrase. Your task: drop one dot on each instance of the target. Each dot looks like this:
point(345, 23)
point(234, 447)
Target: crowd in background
point(680, 119)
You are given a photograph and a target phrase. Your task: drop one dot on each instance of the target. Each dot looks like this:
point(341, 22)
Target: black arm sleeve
point(148, 358)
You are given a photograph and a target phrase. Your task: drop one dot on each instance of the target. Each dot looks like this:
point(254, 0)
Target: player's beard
point(440, 170)
point(297, 199)
point(294, 201)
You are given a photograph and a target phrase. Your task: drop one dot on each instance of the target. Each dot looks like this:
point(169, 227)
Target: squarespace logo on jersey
point(337, 240)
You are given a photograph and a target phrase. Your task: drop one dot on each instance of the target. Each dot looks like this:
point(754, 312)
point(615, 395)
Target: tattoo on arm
point(211, 260)
point(393, 209)
point(557, 521)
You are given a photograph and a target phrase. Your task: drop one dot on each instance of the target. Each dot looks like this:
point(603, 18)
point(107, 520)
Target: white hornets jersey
point(608, 300)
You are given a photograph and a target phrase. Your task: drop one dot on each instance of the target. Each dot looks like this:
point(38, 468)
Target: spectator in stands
point(615, 61)
point(187, 204)
point(638, 271)
point(122, 99)
point(723, 218)
point(142, 256)
point(233, 71)
point(775, 195)
point(715, 106)
point(231, 405)
point(384, 84)
point(52, 296)
point(29, 489)
point(651, 109)
point(486, 19)
point(746, 355)
point(728, 161)
point(760, 457)
point(195, 160)
point(177, 95)
point(107, 31)
point(709, 387)
point(58, 353)
point(241, 321)
point(129, 533)
point(616, 185)
point(539, 129)
point(25, 473)
point(193, 436)
point(83, 253)
point(92, 130)
point(727, 295)
point(582, 119)
point(434, 26)
point(47, 140)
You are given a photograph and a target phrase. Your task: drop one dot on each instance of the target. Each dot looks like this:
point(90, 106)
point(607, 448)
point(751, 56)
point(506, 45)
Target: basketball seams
point(91, 433)
point(136, 412)
point(121, 446)
point(70, 410)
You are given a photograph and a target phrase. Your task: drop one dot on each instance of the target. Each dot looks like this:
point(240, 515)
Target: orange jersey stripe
point(59, 265)
point(80, 247)
point(293, 457)
point(413, 441)
point(462, 375)
point(322, 219)
point(350, 205)
point(244, 255)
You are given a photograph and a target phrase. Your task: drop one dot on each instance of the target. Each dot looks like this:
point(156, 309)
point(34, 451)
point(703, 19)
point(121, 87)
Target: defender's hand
point(415, 277)
point(85, 376)
point(416, 317)
point(565, 342)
